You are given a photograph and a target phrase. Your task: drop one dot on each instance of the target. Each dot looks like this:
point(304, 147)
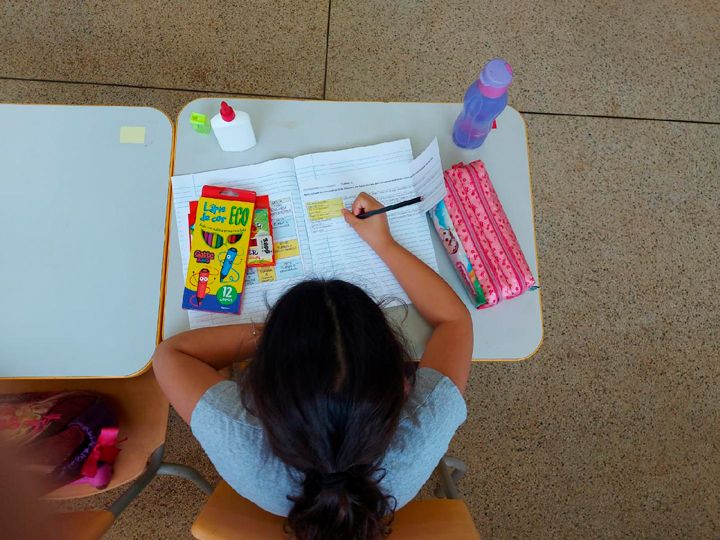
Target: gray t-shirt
point(236, 444)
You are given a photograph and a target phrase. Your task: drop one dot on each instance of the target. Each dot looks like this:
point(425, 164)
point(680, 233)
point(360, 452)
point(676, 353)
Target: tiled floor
point(652, 58)
point(612, 429)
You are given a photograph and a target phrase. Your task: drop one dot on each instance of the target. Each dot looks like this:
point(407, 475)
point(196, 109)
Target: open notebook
point(310, 235)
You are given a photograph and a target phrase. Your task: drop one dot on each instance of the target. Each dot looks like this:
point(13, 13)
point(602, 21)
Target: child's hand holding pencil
point(374, 230)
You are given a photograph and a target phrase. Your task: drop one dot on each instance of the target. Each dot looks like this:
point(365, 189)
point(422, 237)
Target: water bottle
point(484, 100)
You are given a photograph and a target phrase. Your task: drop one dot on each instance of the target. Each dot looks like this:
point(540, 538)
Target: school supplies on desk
point(484, 100)
point(462, 263)
point(200, 123)
point(220, 239)
point(233, 129)
point(261, 252)
point(310, 235)
point(481, 227)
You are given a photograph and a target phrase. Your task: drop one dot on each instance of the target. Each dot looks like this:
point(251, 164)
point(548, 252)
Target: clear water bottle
point(484, 100)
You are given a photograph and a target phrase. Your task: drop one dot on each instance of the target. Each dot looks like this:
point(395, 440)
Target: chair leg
point(457, 466)
point(183, 471)
point(451, 470)
point(155, 467)
point(122, 502)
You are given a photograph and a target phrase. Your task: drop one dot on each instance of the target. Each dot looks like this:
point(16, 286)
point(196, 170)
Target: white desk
point(285, 128)
point(82, 229)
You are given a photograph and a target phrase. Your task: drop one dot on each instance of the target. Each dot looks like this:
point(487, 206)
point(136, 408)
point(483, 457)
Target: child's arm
point(449, 349)
point(186, 365)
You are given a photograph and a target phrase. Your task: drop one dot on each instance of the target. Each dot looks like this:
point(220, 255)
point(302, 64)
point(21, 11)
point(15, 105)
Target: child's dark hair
point(327, 383)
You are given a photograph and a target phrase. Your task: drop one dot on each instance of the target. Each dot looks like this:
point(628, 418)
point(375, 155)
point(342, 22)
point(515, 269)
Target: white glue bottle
point(233, 129)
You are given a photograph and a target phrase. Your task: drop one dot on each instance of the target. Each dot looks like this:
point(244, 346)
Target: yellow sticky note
point(266, 274)
point(132, 135)
point(287, 248)
point(327, 209)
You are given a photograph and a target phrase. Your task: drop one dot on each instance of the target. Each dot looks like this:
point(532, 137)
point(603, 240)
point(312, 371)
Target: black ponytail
point(327, 384)
point(347, 504)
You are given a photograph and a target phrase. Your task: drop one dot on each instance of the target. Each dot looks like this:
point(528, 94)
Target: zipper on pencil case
point(476, 242)
point(498, 232)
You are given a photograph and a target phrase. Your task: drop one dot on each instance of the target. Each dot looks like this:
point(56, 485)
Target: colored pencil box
point(261, 250)
point(485, 234)
point(219, 250)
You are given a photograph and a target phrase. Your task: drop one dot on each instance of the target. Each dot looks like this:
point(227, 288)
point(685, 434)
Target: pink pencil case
point(485, 234)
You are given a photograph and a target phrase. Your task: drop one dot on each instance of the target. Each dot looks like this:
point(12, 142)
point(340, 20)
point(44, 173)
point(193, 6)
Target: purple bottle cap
point(495, 78)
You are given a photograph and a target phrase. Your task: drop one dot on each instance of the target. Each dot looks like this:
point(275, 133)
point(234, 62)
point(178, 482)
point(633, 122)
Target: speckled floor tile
point(658, 59)
point(170, 102)
point(611, 430)
point(254, 47)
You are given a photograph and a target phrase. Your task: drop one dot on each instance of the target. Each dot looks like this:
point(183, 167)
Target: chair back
point(226, 515)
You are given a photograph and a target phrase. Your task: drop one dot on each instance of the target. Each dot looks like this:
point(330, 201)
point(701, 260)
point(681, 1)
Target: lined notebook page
point(329, 181)
point(275, 178)
point(427, 174)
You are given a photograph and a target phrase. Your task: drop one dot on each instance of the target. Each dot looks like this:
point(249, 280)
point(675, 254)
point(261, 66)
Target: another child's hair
point(327, 383)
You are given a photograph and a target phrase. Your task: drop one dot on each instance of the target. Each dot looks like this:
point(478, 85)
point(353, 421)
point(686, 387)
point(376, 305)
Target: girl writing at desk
point(325, 427)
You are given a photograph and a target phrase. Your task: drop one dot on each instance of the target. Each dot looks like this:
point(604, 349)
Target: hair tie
point(334, 480)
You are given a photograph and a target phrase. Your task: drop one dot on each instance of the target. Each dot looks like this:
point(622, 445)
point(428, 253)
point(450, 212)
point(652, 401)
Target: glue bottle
point(484, 100)
point(233, 129)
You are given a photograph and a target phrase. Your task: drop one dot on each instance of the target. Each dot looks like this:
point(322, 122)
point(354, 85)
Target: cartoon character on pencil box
point(461, 262)
point(446, 235)
point(216, 241)
point(203, 283)
point(202, 286)
point(219, 245)
point(228, 262)
point(448, 238)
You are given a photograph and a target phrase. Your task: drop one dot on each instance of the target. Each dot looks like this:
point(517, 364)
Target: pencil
point(388, 208)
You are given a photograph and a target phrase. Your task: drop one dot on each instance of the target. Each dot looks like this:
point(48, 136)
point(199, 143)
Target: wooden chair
point(228, 516)
point(142, 411)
